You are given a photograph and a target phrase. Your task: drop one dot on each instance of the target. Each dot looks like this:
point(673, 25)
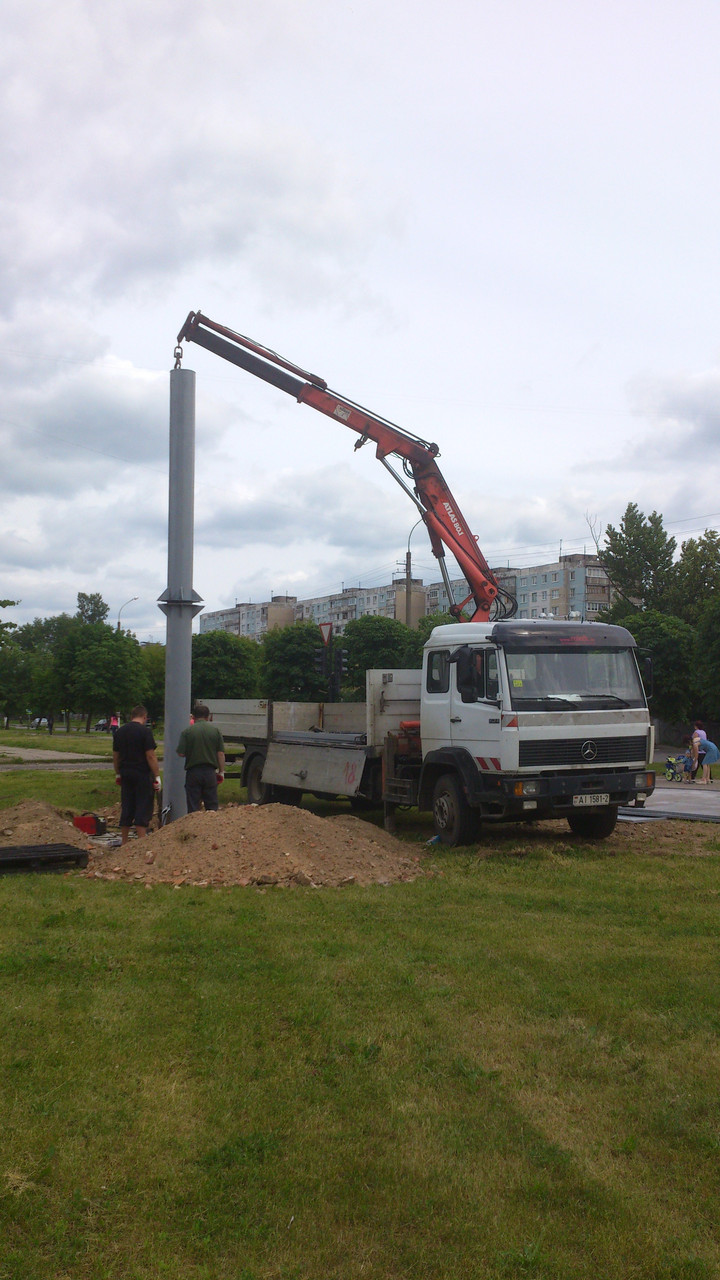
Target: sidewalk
point(31, 755)
point(680, 800)
point(38, 756)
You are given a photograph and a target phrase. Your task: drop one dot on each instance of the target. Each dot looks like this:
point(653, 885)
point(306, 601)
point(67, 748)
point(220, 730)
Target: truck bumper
point(556, 796)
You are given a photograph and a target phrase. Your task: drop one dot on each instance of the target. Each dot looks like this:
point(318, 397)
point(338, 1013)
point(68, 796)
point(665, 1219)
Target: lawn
point(85, 744)
point(506, 1070)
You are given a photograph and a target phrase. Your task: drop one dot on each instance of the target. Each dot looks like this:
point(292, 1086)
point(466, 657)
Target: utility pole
point(408, 576)
point(178, 601)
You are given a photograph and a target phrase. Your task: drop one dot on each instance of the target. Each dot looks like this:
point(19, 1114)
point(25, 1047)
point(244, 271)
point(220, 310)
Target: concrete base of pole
point(177, 702)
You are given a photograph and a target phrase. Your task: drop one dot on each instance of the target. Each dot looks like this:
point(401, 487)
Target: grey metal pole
point(179, 602)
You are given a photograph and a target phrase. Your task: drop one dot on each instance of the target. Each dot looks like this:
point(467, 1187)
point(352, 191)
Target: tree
point(696, 577)
point(91, 608)
point(152, 658)
point(5, 627)
point(672, 645)
point(15, 680)
point(416, 639)
point(638, 559)
point(223, 666)
point(373, 642)
point(707, 636)
point(287, 664)
point(44, 634)
point(98, 670)
point(40, 640)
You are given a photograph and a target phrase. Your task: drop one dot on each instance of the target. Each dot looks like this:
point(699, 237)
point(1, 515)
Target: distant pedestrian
point(114, 726)
point(203, 747)
point(137, 771)
point(699, 744)
point(711, 756)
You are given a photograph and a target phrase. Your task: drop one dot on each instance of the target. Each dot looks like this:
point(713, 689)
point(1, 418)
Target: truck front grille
point(569, 751)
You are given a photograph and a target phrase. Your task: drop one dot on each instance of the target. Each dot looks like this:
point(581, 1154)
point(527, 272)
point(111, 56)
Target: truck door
point(474, 711)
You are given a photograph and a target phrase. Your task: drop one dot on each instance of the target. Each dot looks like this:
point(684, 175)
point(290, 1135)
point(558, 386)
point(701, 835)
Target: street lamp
point(408, 573)
point(122, 606)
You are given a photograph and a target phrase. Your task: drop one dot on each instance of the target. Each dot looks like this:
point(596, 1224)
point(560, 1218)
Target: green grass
point(508, 1070)
point(85, 789)
point(77, 743)
point(85, 744)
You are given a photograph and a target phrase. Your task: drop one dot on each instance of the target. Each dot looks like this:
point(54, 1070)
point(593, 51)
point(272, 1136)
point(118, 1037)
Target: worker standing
point(203, 747)
point(137, 771)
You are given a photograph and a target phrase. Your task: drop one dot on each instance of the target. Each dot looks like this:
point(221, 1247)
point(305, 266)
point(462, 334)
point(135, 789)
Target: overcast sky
point(492, 221)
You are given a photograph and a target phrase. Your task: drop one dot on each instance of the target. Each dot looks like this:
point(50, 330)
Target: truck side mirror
point(470, 684)
point(467, 679)
point(467, 676)
point(646, 672)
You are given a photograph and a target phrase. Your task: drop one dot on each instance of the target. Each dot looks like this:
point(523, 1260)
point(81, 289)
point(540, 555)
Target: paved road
point(680, 800)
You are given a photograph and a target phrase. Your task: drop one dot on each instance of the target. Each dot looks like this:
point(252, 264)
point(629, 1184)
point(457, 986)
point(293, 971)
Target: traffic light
point(319, 662)
point(340, 666)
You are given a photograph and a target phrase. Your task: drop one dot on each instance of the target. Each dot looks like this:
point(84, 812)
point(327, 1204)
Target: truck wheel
point(594, 826)
point(259, 792)
point(455, 822)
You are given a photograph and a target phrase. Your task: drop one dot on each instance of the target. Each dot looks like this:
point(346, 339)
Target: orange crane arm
point(444, 520)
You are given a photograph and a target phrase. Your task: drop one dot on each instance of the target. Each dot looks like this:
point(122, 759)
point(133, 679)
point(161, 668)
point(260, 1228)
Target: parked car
point(38, 723)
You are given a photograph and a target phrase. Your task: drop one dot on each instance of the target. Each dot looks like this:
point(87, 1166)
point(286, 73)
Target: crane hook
point(178, 354)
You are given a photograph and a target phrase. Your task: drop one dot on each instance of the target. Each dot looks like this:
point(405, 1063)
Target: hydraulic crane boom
point(438, 509)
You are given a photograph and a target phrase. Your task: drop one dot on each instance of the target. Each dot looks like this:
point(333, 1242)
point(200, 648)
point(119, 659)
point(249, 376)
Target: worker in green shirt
point(204, 750)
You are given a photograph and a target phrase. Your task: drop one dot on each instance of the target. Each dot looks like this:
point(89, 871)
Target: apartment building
point(573, 586)
point(438, 601)
point(251, 620)
point(339, 608)
point(389, 601)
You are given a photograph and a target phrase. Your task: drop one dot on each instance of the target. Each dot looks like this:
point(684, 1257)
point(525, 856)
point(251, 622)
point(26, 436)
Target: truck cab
point(533, 719)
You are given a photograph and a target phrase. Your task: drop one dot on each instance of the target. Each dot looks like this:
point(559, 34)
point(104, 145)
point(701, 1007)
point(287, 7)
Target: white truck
point(507, 721)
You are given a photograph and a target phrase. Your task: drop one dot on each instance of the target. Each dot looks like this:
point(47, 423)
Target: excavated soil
point(34, 822)
point(280, 845)
point(262, 845)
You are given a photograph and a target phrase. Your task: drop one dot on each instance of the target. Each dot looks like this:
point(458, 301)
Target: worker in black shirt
point(137, 771)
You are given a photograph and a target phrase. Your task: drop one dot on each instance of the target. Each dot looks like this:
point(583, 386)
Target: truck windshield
point(565, 679)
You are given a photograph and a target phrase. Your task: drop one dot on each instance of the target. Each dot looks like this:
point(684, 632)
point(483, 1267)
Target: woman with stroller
point(710, 756)
point(699, 739)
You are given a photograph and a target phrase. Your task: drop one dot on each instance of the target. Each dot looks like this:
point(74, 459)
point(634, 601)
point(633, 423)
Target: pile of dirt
point(281, 845)
point(260, 845)
point(34, 822)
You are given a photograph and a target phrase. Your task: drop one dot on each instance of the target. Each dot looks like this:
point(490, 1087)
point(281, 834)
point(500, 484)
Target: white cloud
point(495, 225)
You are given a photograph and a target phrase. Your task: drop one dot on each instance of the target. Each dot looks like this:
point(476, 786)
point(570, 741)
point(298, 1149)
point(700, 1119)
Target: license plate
point(602, 798)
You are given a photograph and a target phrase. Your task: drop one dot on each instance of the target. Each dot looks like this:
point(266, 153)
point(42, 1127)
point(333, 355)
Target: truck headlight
point(526, 788)
point(644, 781)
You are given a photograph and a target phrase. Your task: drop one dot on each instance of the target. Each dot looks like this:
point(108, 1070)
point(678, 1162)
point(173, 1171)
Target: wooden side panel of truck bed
point(246, 719)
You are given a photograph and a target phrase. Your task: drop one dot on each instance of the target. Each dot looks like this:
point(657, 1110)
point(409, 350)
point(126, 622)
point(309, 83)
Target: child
point(687, 760)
